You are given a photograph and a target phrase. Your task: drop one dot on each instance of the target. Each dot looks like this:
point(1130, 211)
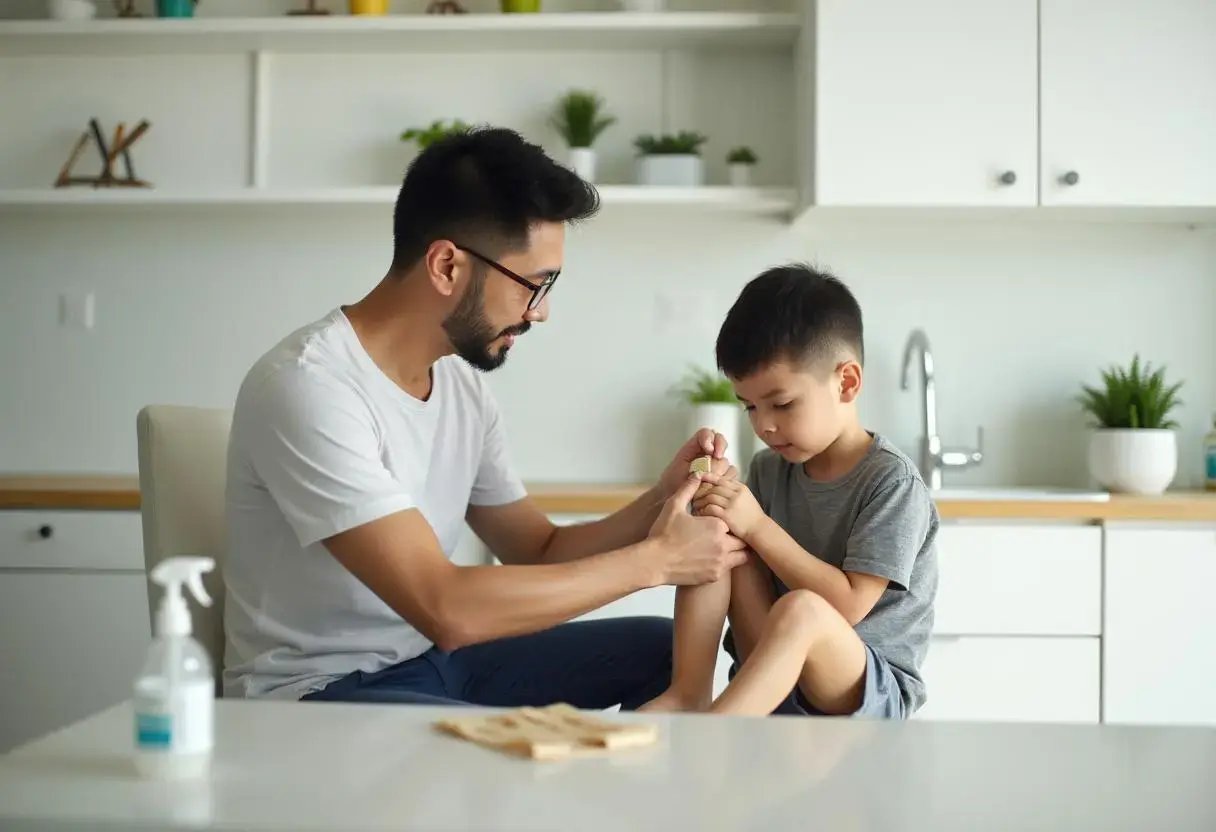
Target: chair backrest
point(183, 455)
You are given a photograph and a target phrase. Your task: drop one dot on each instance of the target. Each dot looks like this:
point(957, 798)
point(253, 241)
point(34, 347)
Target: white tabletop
point(305, 766)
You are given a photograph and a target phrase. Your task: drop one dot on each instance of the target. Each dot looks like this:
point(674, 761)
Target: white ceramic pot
point(676, 170)
point(643, 5)
point(721, 417)
point(1133, 461)
point(71, 9)
point(740, 174)
point(582, 162)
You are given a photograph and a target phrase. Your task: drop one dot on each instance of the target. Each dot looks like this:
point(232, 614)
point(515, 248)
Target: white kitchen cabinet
point(1012, 679)
point(1018, 579)
point(1128, 102)
point(74, 620)
point(72, 645)
point(924, 103)
point(1159, 635)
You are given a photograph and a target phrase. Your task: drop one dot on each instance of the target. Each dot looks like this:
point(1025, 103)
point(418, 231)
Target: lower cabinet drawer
point(1012, 679)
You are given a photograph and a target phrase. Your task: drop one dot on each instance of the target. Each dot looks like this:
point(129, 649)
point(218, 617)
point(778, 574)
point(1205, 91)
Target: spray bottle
point(175, 691)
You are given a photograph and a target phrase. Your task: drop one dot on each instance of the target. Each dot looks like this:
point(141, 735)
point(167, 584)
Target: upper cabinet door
point(1128, 102)
point(931, 102)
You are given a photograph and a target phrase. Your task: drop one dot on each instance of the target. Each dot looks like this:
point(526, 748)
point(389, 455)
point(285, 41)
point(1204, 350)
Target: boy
point(832, 613)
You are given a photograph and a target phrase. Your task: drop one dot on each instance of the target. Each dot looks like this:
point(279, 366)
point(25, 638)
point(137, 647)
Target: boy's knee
point(801, 609)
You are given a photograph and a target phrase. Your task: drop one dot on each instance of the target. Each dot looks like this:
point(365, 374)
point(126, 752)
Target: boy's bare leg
point(806, 642)
point(751, 599)
point(699, 616)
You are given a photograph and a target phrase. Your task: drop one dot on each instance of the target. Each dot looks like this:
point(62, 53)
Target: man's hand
point(732, 502)
point(704, 443)
point(693, 550)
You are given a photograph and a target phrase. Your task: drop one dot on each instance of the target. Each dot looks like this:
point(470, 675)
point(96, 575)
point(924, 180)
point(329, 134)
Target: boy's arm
point(853, 594)
point(882, 546)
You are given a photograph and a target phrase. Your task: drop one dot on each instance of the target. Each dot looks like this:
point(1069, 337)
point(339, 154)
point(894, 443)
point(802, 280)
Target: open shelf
point(340, 33)
point(778, 201)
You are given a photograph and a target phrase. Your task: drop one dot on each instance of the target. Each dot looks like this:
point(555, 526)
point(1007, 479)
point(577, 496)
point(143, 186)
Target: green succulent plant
point(1132, 397)
point(741, 156)
point(699, 386)
point(580, 118)
point(665, 144)
point(436, 130)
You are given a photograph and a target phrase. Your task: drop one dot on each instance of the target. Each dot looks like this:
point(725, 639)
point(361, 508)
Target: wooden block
point(555, 732)
point(701, 465)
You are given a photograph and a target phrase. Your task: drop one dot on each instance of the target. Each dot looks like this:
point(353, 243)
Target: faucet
point(933, 457)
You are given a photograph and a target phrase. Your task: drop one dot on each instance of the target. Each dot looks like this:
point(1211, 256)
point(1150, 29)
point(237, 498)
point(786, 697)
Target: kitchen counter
point(121, 493)
point(385, 767)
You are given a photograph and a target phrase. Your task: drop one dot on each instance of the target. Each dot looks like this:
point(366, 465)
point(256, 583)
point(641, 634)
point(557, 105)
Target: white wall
point(1018, 316)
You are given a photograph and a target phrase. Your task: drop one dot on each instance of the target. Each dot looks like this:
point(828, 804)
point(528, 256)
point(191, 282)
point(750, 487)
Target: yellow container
point(369, 6)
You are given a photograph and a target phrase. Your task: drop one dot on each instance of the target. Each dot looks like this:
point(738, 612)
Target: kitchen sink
point(1028, 494)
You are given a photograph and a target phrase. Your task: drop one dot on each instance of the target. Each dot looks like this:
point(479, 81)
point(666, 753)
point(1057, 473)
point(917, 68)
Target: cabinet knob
point(1007, 178)
point(1070, 178)
point(45, 532)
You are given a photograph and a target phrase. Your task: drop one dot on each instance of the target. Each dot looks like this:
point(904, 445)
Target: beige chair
point(182, 465)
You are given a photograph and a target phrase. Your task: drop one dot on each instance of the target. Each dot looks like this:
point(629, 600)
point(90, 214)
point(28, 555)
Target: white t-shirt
point(322, 441)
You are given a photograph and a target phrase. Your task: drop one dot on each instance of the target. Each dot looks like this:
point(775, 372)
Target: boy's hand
point(704, 443)
point(732, 502)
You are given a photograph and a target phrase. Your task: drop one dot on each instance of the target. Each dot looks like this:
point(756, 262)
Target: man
point(361, 443)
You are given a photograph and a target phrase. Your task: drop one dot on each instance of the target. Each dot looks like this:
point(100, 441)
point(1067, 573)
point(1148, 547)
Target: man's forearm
point(483, 603)
point(799, 569)
point(623, 528)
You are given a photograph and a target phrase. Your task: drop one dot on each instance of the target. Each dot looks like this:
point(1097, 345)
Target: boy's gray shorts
point(881, 698)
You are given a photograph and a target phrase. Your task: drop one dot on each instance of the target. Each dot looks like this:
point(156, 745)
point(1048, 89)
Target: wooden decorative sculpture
point(119, 146)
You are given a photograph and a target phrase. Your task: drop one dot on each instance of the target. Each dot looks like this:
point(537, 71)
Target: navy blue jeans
point(587, 664)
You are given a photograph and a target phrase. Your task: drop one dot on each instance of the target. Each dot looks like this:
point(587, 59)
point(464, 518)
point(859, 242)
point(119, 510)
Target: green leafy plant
point(665, 144)
point(580, 118)
point(700, 386)
point(1135, 397)
point(741, 156)
point(436, 130)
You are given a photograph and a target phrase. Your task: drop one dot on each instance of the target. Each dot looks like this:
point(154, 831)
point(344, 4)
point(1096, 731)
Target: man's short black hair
point(484, 186)
point(793, 313)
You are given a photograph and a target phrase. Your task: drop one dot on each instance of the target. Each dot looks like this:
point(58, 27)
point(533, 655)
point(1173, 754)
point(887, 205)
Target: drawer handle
point(46, 532)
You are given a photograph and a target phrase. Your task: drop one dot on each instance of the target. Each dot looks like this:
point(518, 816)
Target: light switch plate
point(76, 310)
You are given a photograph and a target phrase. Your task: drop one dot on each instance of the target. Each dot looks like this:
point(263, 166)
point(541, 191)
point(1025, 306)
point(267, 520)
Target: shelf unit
point(774, 201)
point(668, 35)
point(338, 33)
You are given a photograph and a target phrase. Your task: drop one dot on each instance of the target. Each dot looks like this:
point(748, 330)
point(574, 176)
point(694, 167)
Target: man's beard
point(471, 334)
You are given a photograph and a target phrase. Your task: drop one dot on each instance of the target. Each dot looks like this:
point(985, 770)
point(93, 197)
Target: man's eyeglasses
point(539, 290)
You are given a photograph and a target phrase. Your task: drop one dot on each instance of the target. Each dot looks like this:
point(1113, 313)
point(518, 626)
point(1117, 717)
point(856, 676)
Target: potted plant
point(1133, 447)
point(71, 9)
point(712, 404)
point(580, 119)
point(369, 7)
point(175, 8)
point(436, 130)
point(520, 6)
point(670, 159)
point(739, 163)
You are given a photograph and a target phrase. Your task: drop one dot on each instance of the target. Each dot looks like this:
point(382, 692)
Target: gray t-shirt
point(877, 519)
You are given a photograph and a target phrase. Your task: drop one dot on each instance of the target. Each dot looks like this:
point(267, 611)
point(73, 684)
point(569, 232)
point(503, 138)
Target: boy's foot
point(672, 701)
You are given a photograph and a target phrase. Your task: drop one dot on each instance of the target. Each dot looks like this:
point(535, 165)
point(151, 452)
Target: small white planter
point(721, 417)
point(740, 174)
point(643, 5)
point(71, 9)
point(672, 170)
point(1133, 461)
point(582, 162)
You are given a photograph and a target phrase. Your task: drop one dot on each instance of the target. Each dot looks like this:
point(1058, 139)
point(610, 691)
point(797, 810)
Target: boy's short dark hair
point(484, 186)
point(793, 313)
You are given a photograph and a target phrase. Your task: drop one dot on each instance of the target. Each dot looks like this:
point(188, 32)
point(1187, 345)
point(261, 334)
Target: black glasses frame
point(539, 290)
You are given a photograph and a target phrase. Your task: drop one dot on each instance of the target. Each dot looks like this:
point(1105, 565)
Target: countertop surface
point(121, 493)
point(294, 766)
